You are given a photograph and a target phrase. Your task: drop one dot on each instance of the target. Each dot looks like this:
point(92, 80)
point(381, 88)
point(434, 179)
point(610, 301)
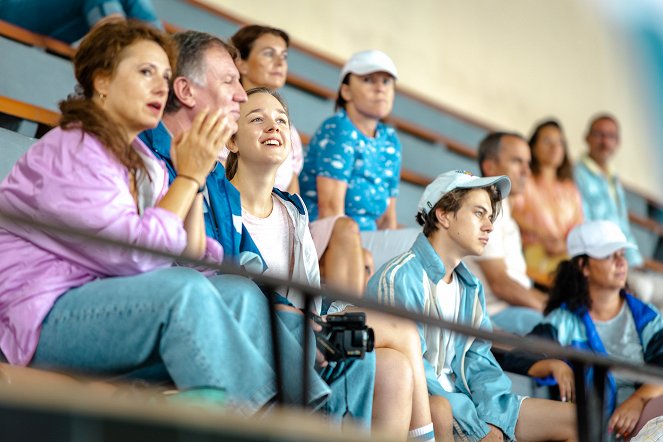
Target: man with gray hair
point(206, 78)
point(514, 305)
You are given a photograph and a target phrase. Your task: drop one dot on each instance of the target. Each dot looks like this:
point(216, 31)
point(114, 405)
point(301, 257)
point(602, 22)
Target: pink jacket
point(69, 177)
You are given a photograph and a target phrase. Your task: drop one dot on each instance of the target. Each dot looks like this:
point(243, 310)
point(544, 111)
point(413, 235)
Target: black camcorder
point(344, 336)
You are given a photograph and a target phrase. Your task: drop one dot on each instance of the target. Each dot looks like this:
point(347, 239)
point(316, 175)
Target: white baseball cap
point(367, 62)
point(459, 179)
point(598, 239)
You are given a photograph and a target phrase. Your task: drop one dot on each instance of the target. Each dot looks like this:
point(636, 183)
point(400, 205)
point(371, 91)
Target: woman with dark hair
point(263, 62)
point(550, 205)
point(590, 309)
point(90, 307)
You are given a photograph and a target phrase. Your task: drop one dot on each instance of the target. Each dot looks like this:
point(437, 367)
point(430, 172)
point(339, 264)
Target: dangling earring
point(102, 97)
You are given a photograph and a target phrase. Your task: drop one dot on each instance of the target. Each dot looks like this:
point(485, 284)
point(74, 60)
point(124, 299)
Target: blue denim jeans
point(204, 333)
point(70, 20)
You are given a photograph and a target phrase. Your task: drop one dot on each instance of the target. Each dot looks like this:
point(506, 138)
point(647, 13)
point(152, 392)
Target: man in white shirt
point(514, 305)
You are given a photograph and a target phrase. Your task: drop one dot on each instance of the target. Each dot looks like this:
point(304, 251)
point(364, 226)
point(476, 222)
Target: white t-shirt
point(274, 237)
point(504, 243)
point(621, 340)
point(448, 305)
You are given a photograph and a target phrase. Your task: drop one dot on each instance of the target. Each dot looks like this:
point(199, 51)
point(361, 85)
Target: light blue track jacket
point(483, 392)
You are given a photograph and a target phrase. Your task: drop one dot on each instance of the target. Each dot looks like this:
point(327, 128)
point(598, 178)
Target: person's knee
point(402, 333)
point(346, 232)
point(178, 282)
point(559, 419)
point(393, 372)
point(189, 293)
point(408, 331)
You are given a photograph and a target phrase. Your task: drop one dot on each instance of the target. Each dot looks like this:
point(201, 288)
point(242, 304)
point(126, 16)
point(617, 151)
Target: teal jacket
point(222, 206)
point(576, 329)
point(483, 392)
point(598, 204)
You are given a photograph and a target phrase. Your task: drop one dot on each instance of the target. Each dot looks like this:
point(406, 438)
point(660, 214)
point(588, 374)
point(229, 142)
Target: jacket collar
point(433, 264)
point(293, 199)
point(159, 139)
point(595, 169)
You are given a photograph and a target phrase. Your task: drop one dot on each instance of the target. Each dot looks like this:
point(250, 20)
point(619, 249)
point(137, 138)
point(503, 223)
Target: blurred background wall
point(508, 63)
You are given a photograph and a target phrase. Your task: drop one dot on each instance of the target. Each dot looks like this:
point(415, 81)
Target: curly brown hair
point(99, 54)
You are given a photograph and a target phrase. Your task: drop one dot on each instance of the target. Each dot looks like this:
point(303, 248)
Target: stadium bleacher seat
point(12, 146)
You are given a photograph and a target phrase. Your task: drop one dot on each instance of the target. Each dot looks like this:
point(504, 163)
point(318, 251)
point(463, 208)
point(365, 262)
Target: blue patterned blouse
point(370, 166)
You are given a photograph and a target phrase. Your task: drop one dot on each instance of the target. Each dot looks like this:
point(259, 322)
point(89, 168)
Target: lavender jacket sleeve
point(68, 177)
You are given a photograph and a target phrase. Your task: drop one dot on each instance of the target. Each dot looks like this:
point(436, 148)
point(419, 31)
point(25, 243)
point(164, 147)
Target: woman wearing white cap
point(456, 211)
point(353, 163)
point(590, 309)
point(352, 168)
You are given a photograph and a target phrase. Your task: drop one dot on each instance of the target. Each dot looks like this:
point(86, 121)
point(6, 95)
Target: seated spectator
point(456, 211)
point(352, 168)
point(70, 20)
point(204, 63)
point(589, 309)
point(513, 303)
point(550, 206)
point(278, 222)
point(263, 62)
point(353, 163)
point(603, 198)
point(93, 308)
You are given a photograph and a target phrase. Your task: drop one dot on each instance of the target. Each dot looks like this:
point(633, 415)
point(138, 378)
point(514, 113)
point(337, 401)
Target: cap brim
point(502, 183)
point(371, 69)
point(365, 71)
point(608, 249)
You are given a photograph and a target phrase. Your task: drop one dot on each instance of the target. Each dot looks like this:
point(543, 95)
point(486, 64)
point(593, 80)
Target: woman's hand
point(194, 152)
point(562, 373)
point(626, 416)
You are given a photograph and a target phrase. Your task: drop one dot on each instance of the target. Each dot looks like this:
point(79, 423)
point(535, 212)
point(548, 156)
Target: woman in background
point(263, 62)
point(352, 167)
point(590, 310)
point(550, 206)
